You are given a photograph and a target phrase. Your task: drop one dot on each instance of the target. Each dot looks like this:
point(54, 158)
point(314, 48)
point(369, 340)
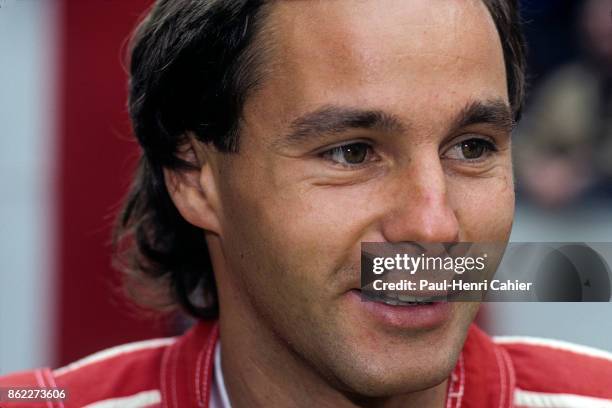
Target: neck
point(261, 370)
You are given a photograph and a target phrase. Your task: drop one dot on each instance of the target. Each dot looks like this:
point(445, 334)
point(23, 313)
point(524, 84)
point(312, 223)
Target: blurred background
point(66, 158)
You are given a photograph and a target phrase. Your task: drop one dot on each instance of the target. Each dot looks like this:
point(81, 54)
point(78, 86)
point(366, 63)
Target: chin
point(386, 382)
point(397, 370)
point(378, 363)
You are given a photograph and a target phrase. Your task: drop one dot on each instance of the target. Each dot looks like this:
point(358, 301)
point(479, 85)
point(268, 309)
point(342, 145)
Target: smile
point(397, 299)
point(400, 311)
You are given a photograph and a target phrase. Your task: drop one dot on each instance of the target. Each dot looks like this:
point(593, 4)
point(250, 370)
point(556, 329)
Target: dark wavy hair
point(192, 65)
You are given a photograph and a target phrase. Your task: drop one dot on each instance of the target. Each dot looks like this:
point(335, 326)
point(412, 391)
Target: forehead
point(386, 54)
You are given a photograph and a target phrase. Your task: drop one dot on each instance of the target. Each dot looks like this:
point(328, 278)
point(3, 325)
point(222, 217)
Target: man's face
point(377, 120)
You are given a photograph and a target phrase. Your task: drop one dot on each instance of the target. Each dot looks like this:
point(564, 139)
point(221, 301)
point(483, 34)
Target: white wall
point(583, 323)
point(27, 78)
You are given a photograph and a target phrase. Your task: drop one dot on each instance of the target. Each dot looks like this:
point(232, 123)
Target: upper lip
point(404, 298)
point(387, 249)
point(409, 295)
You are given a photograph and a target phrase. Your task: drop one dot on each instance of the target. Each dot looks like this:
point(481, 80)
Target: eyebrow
point(493, 112)
point(331, 119)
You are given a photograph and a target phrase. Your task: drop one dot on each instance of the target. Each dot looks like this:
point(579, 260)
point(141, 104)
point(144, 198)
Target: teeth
point(406, 298)
point(395, 299)
point(400, 300)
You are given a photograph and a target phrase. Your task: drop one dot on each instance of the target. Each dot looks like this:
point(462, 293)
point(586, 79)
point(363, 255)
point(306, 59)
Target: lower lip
point(427, 316)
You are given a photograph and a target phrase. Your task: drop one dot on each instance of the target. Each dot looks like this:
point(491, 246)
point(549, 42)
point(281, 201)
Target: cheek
point(302, 232)
point(320, 225)
point(484, 207)
point(275, 229)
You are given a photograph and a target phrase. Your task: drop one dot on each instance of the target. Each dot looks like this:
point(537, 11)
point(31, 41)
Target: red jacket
point(177, 372)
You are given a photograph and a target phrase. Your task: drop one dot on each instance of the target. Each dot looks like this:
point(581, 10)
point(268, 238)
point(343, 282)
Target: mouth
point(399, 311)
point(398, 299)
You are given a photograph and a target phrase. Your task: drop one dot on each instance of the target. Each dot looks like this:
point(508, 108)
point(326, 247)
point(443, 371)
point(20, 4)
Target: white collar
point(218, 396)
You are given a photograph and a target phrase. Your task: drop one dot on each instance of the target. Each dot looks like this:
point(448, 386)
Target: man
point(277, 136)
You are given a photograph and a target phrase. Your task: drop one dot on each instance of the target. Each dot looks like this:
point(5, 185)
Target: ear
point(194, 191)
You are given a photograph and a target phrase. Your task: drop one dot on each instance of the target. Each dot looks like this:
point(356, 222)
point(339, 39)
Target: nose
point(420, 207)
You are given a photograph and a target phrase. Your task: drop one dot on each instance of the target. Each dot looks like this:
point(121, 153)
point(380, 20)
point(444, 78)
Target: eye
point(351, 154)
point(470, 149)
